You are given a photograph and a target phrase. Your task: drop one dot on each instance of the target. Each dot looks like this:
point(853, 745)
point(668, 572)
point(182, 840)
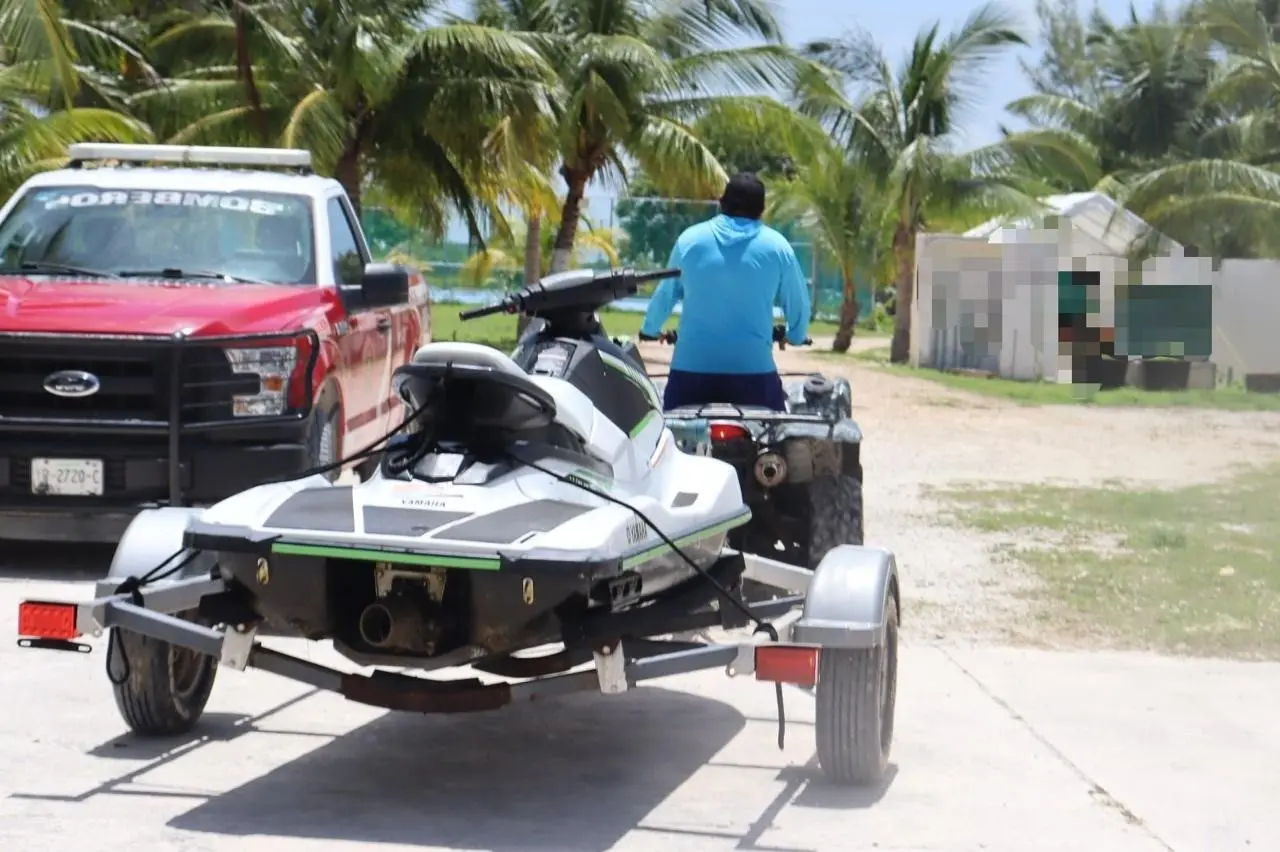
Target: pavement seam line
point(1096, 790)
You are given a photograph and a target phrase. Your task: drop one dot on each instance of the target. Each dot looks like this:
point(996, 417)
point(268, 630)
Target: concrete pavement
point(996, 749)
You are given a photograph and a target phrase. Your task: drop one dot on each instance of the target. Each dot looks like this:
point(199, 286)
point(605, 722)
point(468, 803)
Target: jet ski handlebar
point(779, 337)
point(582, 290)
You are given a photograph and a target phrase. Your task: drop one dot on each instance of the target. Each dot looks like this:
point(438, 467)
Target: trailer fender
point(845, 603)
point(151, 538)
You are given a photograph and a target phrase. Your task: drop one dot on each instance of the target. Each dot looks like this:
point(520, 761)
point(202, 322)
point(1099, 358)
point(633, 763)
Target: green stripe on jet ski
point(658, 550)
point(397, 556)
point(644, 421)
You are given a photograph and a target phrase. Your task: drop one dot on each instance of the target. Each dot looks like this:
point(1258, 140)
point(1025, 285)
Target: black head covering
point(744, 196)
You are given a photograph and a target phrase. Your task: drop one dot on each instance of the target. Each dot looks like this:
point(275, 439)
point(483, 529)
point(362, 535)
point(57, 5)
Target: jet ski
point(526, 499)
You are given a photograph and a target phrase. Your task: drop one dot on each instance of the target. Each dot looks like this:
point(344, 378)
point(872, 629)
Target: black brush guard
point(174, 352)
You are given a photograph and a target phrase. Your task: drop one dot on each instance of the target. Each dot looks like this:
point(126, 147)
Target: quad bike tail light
point(45, 620)
point(728, 432)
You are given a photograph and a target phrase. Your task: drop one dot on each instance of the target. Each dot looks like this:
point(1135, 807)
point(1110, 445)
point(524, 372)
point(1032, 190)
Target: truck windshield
point(139, 233)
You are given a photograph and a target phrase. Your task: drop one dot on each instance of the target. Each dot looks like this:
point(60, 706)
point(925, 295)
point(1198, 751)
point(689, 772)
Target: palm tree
point(838, 201)
point(507, 255)
point(902, 127)
point(378, 98)
point(1223, 196)
point(633, 76)
point(51, 93)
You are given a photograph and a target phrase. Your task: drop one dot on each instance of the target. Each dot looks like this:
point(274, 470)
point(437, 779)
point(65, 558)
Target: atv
point(530, 515)
point(799, 470)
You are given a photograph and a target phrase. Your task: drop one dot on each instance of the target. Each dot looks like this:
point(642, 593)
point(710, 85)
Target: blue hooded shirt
point(733, 271)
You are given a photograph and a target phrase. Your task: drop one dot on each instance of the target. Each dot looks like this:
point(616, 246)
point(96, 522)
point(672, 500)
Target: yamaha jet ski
point(526, 499)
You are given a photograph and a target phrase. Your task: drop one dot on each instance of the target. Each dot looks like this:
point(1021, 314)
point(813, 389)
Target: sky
point(808, 20)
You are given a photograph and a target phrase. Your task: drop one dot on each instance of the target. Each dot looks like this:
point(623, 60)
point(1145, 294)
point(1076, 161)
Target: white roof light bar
point(208, 155)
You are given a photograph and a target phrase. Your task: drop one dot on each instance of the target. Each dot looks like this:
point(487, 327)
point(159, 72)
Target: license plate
point(67, 477)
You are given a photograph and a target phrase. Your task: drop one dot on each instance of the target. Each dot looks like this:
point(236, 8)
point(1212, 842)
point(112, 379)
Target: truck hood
point(155, 307)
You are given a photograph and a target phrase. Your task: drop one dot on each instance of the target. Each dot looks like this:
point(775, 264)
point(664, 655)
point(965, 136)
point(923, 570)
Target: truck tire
point(323, 440)
point(367, 468)
point(166, 687)
point(835, 514)
point(855, 702)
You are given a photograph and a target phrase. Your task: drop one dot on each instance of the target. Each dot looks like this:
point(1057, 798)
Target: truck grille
point(134, 375)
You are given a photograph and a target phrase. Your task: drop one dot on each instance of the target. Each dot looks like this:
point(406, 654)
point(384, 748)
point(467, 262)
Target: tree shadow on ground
point(54, 561)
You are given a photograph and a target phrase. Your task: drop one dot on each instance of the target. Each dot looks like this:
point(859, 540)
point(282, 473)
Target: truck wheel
point(167, 687)
point(835, 514)
point(856, 695)
point(367, 468)
point(323, 440)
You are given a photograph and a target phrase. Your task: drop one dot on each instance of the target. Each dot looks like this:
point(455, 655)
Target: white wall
point(1246, 317)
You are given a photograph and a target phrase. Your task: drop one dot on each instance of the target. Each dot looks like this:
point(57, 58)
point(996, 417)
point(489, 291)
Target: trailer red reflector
point(45, 620)
point(787, 664)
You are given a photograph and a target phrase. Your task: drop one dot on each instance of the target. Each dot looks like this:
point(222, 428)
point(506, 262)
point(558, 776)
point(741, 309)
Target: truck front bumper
point(134, 480)
point(160, 432)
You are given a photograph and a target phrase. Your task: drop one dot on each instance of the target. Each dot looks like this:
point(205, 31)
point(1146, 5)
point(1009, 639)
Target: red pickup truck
point(178, 324)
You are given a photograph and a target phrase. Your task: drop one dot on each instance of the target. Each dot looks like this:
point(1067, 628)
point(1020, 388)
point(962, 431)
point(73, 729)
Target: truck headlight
point(273, 365)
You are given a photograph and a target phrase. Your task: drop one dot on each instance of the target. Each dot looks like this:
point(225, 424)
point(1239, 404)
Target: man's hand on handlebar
point(780, 337)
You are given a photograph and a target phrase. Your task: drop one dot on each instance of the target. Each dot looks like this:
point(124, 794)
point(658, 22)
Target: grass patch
point(1189, 571)
point(1053, 393)
point(499, 330)
point(878, 355)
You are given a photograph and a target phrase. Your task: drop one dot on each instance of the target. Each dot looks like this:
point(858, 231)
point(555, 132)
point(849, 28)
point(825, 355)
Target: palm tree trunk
point(347, 172)
point(904, 251)
point(562, 249)
point(532, 260)
point(532, 248)
point(244, 70)
point(848, 313)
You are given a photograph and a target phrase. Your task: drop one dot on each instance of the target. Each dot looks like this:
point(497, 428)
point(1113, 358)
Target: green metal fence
point(642, 230)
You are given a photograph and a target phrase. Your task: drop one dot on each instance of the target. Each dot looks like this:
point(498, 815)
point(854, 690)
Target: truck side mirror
point(383, 285)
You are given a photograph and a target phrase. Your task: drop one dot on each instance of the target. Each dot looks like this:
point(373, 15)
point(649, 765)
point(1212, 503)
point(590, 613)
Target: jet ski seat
point(508, 398)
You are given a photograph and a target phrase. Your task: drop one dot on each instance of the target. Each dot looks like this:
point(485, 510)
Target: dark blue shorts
point(685, 388)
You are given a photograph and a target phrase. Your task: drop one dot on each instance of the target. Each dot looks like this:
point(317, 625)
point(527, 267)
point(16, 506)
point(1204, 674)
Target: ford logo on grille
point(72, 384)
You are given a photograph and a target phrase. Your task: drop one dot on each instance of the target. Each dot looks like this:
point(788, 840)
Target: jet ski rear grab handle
point(619, 664)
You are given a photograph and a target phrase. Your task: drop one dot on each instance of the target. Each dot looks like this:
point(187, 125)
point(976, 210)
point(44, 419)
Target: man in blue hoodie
point(733, 270)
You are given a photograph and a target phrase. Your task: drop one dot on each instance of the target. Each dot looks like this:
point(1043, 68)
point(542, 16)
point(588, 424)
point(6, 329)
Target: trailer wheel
point(856, 695)
point(166, 687)
point(835, 514)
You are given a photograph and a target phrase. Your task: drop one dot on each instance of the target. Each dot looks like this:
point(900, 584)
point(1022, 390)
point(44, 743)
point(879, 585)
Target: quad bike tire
point(166, 687)
point(835, 515)
point(855, 704)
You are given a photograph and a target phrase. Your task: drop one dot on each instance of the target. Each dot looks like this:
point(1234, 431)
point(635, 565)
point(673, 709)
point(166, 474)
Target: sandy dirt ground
point(996, 748)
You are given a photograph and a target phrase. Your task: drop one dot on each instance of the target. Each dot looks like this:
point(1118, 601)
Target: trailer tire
point(856, 696)
point(166, 687)
point(835, 514)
